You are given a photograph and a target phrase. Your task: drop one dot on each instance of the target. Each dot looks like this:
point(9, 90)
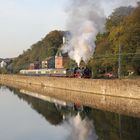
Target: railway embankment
point(115, 88)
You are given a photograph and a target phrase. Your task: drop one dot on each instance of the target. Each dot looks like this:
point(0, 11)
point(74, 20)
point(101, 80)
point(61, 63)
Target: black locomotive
point(79, 72)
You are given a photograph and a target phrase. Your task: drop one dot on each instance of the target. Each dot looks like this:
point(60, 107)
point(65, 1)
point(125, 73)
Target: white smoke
point(86, 18)
point(80, 129)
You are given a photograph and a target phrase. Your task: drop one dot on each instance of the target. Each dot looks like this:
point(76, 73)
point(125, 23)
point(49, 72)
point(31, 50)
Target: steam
point(86, 18)
point(81, 129)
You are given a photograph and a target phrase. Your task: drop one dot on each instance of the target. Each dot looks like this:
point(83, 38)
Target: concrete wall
point(119, 88)
point(126, 106)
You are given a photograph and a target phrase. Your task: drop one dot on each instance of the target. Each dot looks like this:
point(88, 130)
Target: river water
point(24, 117)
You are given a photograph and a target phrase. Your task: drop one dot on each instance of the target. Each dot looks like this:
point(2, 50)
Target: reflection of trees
point(108, 126)
point(46, 109)
point(111, 126)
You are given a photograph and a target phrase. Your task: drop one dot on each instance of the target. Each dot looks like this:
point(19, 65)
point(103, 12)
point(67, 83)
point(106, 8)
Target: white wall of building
point(3, 64)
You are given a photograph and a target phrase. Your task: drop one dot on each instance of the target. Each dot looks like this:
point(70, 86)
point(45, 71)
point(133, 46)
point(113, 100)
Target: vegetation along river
point(28, 116)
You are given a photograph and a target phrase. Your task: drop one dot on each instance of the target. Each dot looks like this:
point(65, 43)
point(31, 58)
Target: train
point(71, 73)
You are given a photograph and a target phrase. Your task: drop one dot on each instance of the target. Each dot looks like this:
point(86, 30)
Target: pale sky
point(24, 22)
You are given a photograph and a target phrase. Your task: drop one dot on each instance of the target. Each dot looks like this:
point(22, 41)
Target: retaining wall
point(115, 88)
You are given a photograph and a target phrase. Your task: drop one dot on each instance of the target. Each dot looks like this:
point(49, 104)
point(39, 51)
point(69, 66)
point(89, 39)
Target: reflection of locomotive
point(74, 72)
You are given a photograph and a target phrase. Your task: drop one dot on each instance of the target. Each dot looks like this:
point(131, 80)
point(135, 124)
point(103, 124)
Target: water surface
point(24, 117)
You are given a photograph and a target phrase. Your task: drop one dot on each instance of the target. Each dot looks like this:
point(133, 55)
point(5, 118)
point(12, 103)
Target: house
point(48, 63)
point(44, 64)
point(3, 64)
point(60, 60)
point(35, 65)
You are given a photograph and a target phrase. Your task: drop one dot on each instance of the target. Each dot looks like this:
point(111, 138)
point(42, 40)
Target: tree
point(46, 47)
point(123, 28)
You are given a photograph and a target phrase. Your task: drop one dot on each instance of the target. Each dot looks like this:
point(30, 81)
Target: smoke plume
point(80, 129)
point(86, 18)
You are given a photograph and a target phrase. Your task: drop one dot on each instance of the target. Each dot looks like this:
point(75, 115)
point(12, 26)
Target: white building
point(45, 64)
point(3, 64)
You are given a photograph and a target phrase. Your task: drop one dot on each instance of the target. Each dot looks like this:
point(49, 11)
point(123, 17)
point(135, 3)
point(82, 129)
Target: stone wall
point(113, 88)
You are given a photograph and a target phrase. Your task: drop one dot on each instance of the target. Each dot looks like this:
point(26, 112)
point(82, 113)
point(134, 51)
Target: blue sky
point(24, 22)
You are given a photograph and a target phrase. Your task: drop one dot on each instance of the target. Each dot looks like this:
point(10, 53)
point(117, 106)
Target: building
point(35, 65)
point(48, 63)
point(44, 64)
point(3, 64)
point(60, 60)
point(57, 62)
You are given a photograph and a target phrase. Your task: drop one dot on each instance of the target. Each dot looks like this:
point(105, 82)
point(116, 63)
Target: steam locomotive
point(72, 72)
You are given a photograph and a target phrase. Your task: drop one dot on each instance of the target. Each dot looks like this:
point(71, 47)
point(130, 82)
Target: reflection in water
point(80, 129)
point(82, 122)
point(120, 105)
point(46, 109)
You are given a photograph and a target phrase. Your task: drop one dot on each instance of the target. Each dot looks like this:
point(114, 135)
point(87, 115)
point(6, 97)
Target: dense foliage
point(44, 48)
point(123, 32)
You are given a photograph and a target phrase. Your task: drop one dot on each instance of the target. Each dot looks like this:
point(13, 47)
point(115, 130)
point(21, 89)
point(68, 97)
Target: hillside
point(46, 47)
point(122, 37)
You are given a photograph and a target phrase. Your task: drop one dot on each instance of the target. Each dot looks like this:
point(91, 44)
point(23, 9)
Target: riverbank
point(121, 105)
point(115, 88)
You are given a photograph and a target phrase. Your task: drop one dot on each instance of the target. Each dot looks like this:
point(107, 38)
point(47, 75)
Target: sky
point(24, 22)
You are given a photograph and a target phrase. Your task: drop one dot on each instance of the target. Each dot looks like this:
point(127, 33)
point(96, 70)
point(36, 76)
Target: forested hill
point(122, 32)
point(46, 47)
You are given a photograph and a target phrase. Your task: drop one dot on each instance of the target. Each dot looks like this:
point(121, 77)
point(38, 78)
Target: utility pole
point(119, 62)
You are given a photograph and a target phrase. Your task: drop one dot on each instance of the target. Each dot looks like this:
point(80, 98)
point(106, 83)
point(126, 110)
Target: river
point(24, 116)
